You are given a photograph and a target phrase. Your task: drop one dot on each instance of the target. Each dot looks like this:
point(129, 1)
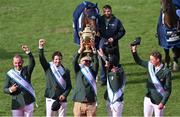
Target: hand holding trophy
point(87, 36)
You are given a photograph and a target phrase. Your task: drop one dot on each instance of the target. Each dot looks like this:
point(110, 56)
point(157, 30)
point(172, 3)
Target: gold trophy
point(87, 35)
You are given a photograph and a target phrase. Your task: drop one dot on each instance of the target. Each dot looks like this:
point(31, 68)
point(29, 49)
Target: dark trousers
point(103, 77)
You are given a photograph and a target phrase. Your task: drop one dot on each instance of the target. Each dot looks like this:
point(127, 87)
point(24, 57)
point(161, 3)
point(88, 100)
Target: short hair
point(107, 7)
point(56, 53)
point(17, 56)
point(157, 54)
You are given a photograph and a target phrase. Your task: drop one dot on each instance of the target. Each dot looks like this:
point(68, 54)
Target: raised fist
point(41, 43)
point(25, 48)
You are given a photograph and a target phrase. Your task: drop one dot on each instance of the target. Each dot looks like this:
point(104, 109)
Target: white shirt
point(158, 68)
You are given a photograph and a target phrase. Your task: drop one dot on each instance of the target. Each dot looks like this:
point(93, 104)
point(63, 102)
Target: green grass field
point(26, 21)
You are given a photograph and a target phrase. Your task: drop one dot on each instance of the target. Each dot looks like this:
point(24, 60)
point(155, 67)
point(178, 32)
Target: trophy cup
point(87, 35)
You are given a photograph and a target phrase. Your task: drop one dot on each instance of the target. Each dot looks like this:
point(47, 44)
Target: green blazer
point(164, 76)
point(116, 81)
point(83, 90)
point(21, 97)
point(53, 90)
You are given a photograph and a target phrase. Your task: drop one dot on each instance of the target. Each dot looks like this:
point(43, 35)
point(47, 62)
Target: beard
point(108, 16)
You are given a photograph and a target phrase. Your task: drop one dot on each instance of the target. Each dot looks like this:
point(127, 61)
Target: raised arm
point(31, 64)
point(94, 57)
point(137, 59)
point(105, 59)
point(42, 58)
point(76, 57)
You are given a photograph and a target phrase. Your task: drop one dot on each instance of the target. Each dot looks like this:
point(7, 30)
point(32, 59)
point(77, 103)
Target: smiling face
point(17, 62)
point(155, 61)
point(107, 12)
point(57, 60)
point(156, 58)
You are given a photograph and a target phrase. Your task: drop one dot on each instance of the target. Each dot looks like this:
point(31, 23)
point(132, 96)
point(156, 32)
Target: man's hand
point(25, 48)
point(133, 49)
point(13, 88)
point(62, 98)
point(41, 43)
point(81, 46)
point(107, 64)
point(115, 69)
point(161, 106)
point(110, 40)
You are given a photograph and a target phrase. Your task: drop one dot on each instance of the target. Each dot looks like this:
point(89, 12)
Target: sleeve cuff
point(40, 47)
point(10, 90)
point(27, 52)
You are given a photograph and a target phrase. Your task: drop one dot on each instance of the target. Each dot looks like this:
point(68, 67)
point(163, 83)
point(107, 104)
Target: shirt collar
point(19, 71)
point(158, 68)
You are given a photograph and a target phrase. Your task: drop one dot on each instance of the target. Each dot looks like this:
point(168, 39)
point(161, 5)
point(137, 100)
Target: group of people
point(58, 81)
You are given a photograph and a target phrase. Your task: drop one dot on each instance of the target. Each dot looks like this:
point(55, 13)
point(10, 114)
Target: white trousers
point(149, 108)
point(61, 112)
point(114, 110)
point(26, 111)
